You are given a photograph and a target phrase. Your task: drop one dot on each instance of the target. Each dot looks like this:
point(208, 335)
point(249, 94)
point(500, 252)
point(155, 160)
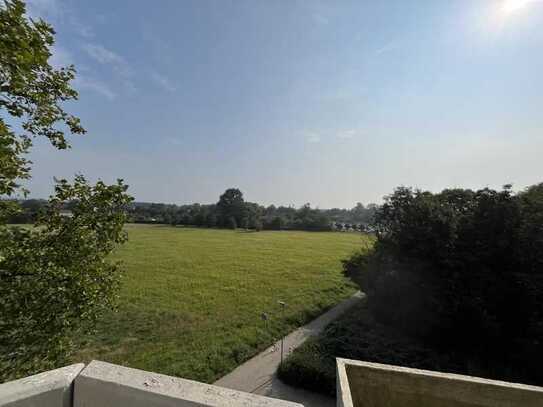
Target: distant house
point(67, 213)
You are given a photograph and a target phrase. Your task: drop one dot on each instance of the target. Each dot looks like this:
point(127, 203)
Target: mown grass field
point(192, 299)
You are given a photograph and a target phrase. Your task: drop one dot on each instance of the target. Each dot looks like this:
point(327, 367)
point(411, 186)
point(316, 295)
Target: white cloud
point(107, 57)
point(61, 57)
point(103, 55)
point(60, 14)
point(82, 82)
point(162, 81)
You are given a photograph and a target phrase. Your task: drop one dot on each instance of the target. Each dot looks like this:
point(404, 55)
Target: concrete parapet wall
point(106, 385)
point(343, 392)
point(359, 384)
point(363, 384)
point(48, 389)
point(103, 384)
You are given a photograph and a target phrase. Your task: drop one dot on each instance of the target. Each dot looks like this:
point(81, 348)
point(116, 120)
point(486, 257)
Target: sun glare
point(511, 6)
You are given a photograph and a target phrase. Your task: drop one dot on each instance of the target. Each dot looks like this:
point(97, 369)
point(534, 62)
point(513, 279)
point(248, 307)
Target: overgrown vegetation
point(55, 279)
point(459, 274)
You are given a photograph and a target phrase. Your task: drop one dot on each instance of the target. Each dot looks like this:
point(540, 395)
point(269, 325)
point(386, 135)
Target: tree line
point(231, 211)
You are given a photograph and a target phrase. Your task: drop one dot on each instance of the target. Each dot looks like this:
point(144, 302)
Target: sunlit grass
point(192, 299)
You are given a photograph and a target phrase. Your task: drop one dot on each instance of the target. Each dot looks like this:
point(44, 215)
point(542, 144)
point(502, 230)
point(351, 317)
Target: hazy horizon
point(277, 204)
point(302, 101)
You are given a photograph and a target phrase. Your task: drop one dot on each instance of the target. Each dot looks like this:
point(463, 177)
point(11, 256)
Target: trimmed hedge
point(356, 335)
point(311, 368)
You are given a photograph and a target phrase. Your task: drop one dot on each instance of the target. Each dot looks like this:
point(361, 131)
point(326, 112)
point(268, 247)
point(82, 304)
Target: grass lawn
point(192, 299)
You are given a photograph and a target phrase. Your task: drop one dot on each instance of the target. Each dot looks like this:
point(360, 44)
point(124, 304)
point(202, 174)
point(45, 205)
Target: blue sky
point(299, 101)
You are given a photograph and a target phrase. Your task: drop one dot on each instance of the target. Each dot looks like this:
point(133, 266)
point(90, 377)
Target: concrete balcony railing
point(359, 384)
point(363, 384)
point(102, 384)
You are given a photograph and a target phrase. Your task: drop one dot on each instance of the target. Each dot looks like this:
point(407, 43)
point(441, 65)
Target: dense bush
point(310, 367)
point(462, 270)
point(358, 335)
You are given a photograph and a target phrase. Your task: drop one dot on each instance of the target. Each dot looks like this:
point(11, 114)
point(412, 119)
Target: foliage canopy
point(462, 270)
point(55, 278)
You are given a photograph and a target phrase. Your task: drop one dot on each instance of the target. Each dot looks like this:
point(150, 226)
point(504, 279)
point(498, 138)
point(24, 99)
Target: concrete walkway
point(258, 375)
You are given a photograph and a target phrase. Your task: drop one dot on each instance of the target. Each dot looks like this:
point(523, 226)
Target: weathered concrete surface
point(107, 385)
point(258, 375)
point(343, 392)
point(377, 385)
point(49, 389)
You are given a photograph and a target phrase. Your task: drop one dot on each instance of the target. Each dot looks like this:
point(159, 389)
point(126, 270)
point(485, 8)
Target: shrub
point(311, 368)
point(358, 335)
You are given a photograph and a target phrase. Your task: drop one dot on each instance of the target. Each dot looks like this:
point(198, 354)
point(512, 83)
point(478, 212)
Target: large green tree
point(55, 279)
point(232, 205)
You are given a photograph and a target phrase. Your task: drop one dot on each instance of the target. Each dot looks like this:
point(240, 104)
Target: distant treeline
point(231, 211)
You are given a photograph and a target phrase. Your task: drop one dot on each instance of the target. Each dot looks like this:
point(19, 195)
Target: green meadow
point(192, 300)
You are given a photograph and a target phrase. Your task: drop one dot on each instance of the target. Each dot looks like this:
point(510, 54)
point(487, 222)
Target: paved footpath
point(258, 375)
